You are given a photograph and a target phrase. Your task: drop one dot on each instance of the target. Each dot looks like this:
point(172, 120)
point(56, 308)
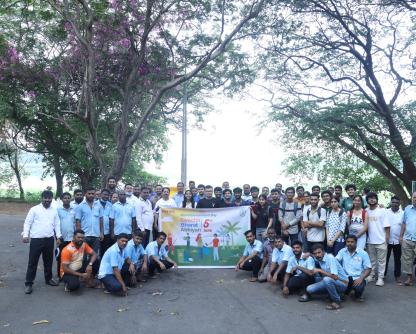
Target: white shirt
point(377, 222)
point(396, 220)
point(132, 200)
point(144, 214)
point(162, 203)
point(41, 223)
point(315, 234)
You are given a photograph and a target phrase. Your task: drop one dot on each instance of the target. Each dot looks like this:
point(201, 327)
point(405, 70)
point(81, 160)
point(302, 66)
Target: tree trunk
point(14, 163)
point(58, 176)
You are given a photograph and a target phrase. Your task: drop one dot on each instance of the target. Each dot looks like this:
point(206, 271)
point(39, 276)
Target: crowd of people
point(311, 242)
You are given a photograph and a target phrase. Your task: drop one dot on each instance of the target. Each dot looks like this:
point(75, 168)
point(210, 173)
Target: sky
point(230, 147)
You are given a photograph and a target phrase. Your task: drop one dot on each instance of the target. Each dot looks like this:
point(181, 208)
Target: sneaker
point(28, 289)
point(370, 279)
point(66, 288)
point(380, 282)
point(106, 291)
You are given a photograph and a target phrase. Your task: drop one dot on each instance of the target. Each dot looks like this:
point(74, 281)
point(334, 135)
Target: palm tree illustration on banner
point(232, 229)
point(222, 233)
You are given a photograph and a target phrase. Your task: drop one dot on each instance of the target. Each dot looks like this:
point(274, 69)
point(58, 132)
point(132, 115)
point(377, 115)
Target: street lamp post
point(184, 136)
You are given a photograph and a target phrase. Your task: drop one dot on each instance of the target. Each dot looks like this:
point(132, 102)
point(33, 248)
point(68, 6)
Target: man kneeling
point(280, 258)
point(138, 259)
point(157, 256)
point(78, 260)
point(111, 265)
point(329, 275)
point(252, 256)
point(299, 271)
point(357, 265)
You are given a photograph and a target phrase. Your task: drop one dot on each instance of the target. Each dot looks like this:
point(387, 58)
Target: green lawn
point(229, 256)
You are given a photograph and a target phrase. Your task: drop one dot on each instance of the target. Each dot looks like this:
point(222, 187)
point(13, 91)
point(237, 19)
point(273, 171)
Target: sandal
point(333, 306)
point(253, 279)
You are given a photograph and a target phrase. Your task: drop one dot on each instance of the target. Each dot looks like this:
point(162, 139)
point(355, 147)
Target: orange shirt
point(215, 242)
point(74, 256)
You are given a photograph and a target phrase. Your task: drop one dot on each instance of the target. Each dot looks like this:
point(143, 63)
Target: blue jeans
point(328, 285)
point(259, 233)
point(111, 283)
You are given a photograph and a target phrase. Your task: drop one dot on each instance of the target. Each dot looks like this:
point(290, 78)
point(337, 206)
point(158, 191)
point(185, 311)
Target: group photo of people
point(329, 242)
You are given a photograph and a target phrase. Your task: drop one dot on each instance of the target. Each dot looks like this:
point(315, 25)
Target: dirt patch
point(15, 208)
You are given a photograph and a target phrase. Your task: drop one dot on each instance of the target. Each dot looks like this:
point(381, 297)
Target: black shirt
point(263, 215)
point(205, 203)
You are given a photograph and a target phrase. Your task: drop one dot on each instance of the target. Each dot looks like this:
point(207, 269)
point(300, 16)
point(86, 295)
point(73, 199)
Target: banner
point(205, 238)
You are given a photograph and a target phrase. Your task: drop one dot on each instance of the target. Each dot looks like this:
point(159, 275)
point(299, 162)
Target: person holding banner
point(252, 256)
point(157, 256)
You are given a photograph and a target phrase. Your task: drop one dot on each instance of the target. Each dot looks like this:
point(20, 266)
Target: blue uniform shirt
point(330, 264)
point(113, 257)
point(178, 198)
point(67, 219)
point(354, 264)
point(122, 215)
point(152, 249)
point(307, 263)
point(410, 220)
point(89, 217)
point(256, 246)
point(106, 216)
point(133, 252)
point(283, 254)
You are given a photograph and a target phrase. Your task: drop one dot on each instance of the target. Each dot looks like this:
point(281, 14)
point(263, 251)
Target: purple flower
point(113, 3)
point(13, 55)
point(125, 43)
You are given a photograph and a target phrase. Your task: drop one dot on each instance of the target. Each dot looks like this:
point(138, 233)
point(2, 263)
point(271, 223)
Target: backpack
point(309, 211)
point(295, 208)
point(363, 213)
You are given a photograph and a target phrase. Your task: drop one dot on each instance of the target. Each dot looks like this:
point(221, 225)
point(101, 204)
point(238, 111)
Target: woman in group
point(262, 214)
point(358, 221)
point(335, 227)
point(188, 200)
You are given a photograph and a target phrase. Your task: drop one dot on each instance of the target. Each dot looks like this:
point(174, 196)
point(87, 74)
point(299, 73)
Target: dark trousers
point(58, 260)
point(252, 265)
point(292, 238)
point(335, 248)
point(112, 284)
point(94, 243)
point(72, 281)
point(106, 243)
point(311, 243)
point(397, 254)
point(153, 265)
point(358, 290)
point(146, 237)
point(38, 247)
point(299, 283)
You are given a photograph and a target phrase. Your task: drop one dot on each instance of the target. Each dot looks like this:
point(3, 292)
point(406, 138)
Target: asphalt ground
point(186, 301)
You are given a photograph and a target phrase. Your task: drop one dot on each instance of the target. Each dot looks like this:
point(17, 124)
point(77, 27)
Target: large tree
point(89, 82)
point(342, 73)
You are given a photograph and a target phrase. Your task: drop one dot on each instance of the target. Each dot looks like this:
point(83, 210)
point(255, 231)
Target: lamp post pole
point(184, 136)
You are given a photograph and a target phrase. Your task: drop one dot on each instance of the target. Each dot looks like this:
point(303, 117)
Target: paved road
point(192, 301)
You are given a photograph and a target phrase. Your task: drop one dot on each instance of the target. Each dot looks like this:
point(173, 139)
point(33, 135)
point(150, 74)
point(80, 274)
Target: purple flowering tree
point(117, 69)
